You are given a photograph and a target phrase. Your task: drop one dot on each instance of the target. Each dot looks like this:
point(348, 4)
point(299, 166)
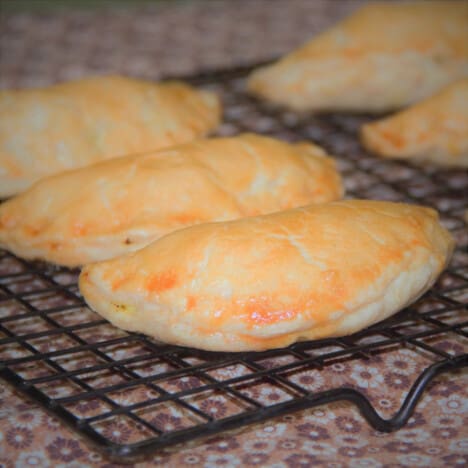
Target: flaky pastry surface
point(435, 129)
point(384, 56)
point(122, 204)
point(45, 131)
point(268, 281)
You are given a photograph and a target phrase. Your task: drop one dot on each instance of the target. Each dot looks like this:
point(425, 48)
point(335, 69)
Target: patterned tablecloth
point(179, 38)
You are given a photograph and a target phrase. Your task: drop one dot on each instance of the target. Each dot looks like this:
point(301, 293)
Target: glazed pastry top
point(384, 56)
point(267, 281)
point(122, 204)
point(435, 129)
point(47, 130)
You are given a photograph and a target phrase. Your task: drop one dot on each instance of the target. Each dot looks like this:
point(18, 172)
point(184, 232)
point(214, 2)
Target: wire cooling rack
point(132, 395)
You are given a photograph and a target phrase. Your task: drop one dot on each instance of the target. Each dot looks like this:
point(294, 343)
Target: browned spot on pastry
point(117, 283)
point(191, 302)
point(185, 218)
point(391, 255)
point(423, 136)
point(127, 241)
point(352, 52)
point(364, 273)
point(396, 140)
point(79, 229)
point(32, 231)
point(161, 282)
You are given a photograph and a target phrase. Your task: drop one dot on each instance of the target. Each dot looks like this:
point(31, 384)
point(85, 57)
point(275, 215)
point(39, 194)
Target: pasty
point(122, 204)
point(384, 56)
point(434, 130)
point(268, 281)
point(45, 131)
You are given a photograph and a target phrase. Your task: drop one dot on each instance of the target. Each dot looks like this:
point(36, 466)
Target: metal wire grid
point(131, 395)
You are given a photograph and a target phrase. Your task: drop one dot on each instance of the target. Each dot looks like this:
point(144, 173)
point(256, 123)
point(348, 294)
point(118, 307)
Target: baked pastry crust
point(384, 56)
point(122, 204)
point(435, 130)
point(268, 281)
point(70, 125)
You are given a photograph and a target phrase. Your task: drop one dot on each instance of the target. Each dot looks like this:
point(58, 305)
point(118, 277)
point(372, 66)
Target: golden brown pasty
point(74, 124)
point(122, 204)
point(268, 281)
point(384, 56)
point(434, 130)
